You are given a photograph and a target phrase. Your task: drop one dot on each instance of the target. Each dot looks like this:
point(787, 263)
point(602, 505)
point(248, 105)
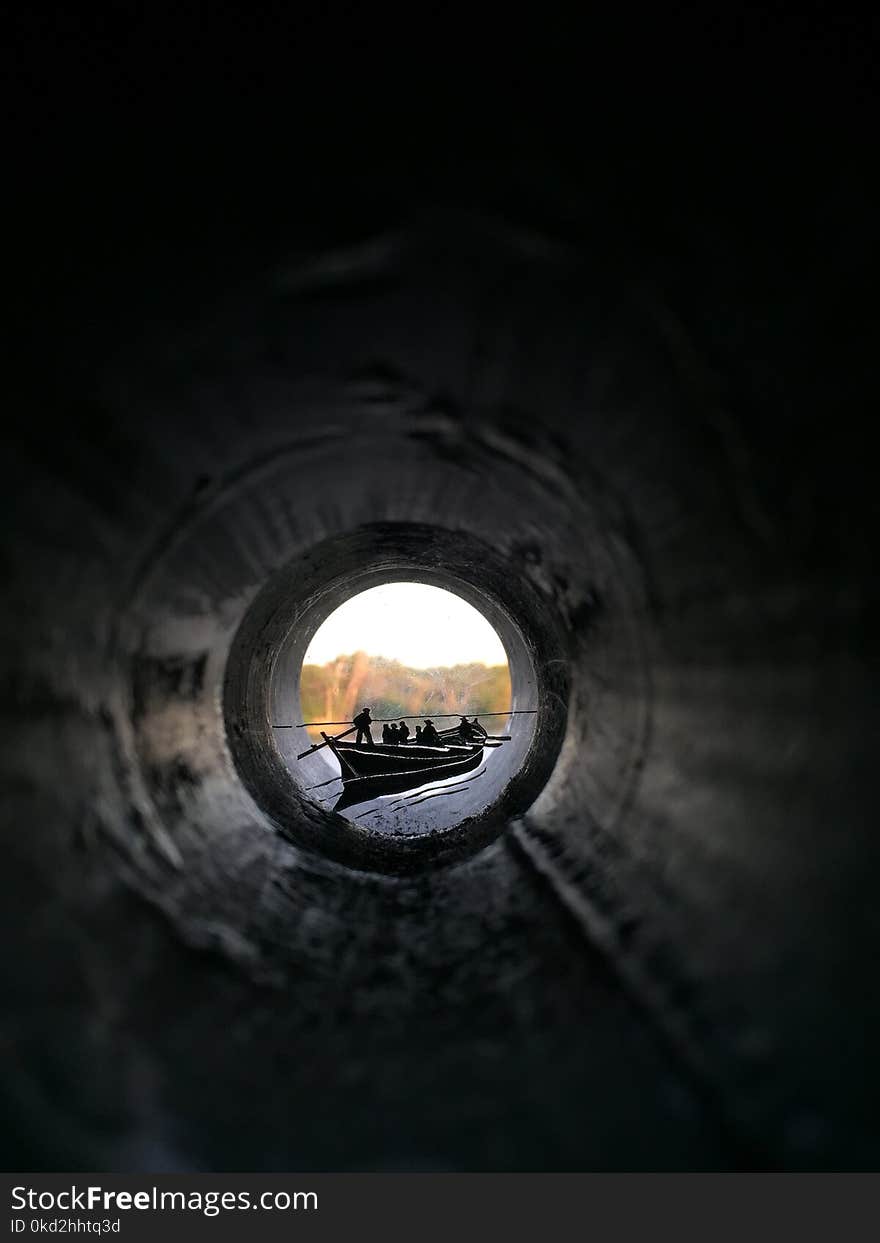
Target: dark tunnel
point(618, 403)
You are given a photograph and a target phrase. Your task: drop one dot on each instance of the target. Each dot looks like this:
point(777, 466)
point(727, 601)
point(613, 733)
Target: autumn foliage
point(337, 690)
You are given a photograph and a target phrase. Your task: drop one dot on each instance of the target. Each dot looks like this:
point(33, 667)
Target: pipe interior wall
point(660, 955)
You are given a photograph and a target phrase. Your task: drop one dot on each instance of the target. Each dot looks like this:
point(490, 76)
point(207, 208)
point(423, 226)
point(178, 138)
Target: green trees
point(335, 691)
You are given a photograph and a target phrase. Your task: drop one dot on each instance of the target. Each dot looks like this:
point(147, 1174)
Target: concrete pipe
point(652, 949)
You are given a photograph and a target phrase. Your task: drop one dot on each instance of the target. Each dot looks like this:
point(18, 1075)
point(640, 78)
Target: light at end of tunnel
point(418, 625)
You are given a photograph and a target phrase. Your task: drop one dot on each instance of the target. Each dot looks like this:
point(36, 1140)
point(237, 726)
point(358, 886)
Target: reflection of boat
point(368, 772)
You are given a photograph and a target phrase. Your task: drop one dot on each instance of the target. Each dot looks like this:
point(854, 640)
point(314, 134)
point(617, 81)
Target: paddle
point(319, 745)
point(448, 733)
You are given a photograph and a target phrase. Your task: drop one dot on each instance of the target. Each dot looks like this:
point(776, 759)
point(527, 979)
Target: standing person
point(402, 733)
point(430, 737)
point(363, 721)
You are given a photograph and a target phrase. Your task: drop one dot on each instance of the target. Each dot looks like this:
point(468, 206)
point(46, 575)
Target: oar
point(437, 716)
point(494, 737)
point(319, 745)
point(490, 737)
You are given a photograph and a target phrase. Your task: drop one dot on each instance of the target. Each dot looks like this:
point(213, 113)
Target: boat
point(369, 771)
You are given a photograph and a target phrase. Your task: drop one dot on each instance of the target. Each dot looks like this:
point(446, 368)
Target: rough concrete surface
point(648, 412)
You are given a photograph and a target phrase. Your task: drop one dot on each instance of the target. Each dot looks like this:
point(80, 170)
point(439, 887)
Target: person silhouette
point(363, 721)
point(419, 739)
point(402, 733)
point(477, 730)
point(430, 737)
point(393, 735)
point(386, 733)
point(465, 730)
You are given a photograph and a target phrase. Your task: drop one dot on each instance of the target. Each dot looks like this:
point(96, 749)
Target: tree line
point(338, 689)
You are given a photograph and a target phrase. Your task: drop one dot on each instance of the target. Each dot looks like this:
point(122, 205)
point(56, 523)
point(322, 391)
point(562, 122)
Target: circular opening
point(406, 718)
point(272, 690)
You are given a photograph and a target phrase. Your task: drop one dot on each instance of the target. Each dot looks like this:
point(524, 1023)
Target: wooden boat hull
point(368, 772)
point(386, 757)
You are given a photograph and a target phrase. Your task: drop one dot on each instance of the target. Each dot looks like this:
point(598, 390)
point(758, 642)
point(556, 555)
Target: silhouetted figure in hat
point(363, 721)
point(466, 731)
point(430, 737)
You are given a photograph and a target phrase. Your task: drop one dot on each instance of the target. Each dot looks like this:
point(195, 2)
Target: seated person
point(430, 737)
point(419, 738)
point(386, 733)
point(393, 735)
point(402, 733)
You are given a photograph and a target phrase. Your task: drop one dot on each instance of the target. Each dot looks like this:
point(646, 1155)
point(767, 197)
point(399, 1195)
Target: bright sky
point(418, 625)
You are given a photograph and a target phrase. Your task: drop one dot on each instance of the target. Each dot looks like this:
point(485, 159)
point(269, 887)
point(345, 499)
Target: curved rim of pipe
point(261, 685)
